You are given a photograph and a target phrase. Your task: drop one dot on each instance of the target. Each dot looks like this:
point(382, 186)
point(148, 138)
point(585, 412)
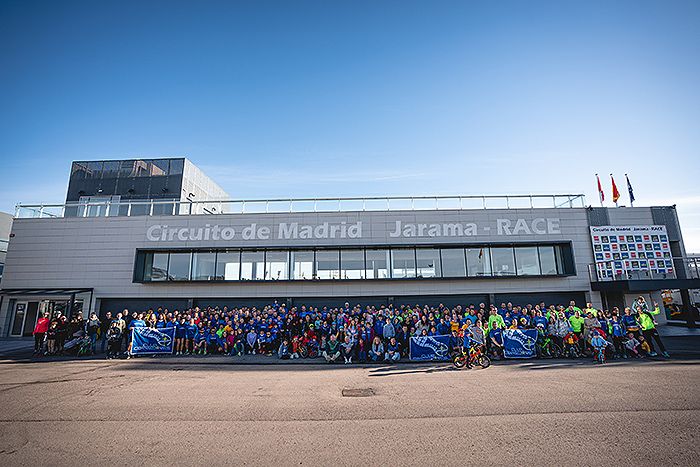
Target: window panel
point(176, 167)
point(94, 169)
point(156, 267)
point(352, 263)
point(377, 265)
point(527, 261)
point(502, 261)
point(252, 265)
point(110, 169)
point(548, 261)
point(228, 265)
point(179, 266)
point(428, 262)
point(203, 266)
point(328, 264)
point(302, 263)
point(478, 262)
point(453, 262)
point(277, 265)
point(403, 263)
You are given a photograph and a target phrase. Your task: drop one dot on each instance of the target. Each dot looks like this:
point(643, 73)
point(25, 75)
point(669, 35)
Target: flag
point(481, 254)
point(630, 190)
point(616, 193)
point(601, 193)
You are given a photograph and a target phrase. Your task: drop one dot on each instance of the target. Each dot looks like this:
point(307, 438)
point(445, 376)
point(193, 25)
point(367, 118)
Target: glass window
point(302, 265)
point(352, 263)
point(328, 264)
point(252, 265)
point(176, 167)
point(403, 263)
point(94, 169)
point(140, 168)
point(548, 262)
point(453, 262)
point(156, 267)
point(277, 265)
point(159, 167)
point(78, 170)
point(228, 266)
point(110, 169)
point(527, 261)
point(377, 265)
point(179, 266)
point(502, 261)
point(478, 262)
point(126, 168)
point(428, 262)
point(203, 266)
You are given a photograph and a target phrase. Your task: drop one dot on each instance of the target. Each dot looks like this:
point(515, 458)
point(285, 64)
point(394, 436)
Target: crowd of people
point(352, 334)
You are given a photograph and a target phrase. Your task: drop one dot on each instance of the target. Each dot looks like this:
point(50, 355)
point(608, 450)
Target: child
point(283, 351)
point(632, 346)
point(599, 344)
point(114, 340)
point(295, 347)
point(51, 336)
point(645, 348)
point(571, 343)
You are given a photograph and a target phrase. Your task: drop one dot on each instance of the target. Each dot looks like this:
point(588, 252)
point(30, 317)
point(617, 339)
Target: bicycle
point(473, 356)
point(547, 348)
point(308, 351)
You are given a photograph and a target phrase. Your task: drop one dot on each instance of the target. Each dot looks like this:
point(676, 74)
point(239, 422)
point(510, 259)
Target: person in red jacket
point(42, 325)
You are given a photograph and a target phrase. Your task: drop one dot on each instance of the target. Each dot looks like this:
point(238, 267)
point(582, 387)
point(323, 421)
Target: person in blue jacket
point(180, 336)
point(214, 344)
point(190, 335)
point(200, 340)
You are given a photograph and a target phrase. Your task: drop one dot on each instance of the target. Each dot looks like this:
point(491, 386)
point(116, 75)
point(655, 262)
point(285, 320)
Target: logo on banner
point(146, 340)
point(430, 348)
point(519, 343)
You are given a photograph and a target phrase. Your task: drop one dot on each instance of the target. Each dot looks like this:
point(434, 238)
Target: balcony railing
point(257, 206)
point(683, 268)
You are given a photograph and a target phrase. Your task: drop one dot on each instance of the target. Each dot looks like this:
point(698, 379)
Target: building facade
point(326, 252)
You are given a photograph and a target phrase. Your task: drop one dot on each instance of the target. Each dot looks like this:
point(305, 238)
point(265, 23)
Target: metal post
point(150, 213)
point(128, 209)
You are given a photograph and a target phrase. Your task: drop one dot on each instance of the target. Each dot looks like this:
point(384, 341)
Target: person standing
point(646, 322)
point(92, 327)
point(104, 327)
point(42, 326)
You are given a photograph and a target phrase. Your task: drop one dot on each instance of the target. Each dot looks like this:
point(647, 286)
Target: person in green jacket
point(494, 317)
point(576, 323)
point(646, 322)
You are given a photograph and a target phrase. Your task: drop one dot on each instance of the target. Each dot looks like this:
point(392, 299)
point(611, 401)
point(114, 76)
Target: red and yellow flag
point(616, 193)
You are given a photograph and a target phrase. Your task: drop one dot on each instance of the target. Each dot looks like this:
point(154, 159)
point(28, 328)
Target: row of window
point(127, 168)
point(326, 264)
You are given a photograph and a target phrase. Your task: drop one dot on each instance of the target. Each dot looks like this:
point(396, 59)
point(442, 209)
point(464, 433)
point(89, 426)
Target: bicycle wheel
point(303, 352)
point(484, 361)
point(459, 361)
point(555, 350)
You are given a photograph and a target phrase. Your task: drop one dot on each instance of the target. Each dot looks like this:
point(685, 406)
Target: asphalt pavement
point(163, 412)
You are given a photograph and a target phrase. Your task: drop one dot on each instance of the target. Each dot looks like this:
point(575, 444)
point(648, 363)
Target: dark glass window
point(377, 265)
point(156, 267)
point(277, 265)
point(228, 265)
point(428, 262)
point(302, 263)
point(548, 260)
point(78, 170)
point(502, 261)
point(110, 169)
point(176, 167)
point(179, 266)
point(403, 263)
point(94, 169)
point(527, 261)
point(159, 167)
point(478, 262)
point(328, 264)
point(453, 262)
point(352, 263)
point(203, 266)
point(252, 265)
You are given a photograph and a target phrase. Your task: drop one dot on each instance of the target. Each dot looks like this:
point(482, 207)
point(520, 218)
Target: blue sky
point(359, 98)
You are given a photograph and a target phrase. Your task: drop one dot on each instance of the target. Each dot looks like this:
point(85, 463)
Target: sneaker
point(665, 354)
point(653, 354)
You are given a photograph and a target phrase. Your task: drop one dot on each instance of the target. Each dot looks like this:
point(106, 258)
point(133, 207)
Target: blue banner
point(519, 343)
point(429, 348)
point(152, 341)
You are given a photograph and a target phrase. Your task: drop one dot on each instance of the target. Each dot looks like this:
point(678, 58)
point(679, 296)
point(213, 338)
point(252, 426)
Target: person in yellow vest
point(590, 309)
point(646, 322)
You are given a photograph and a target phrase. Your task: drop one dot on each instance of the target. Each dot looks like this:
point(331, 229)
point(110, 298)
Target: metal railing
point(687, 267)
point(289, 205)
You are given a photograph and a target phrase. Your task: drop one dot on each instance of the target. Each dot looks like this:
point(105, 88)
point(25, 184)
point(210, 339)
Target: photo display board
point(637, 251)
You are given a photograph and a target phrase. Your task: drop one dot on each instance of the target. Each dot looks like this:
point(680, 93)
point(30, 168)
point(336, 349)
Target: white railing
point(288, 205)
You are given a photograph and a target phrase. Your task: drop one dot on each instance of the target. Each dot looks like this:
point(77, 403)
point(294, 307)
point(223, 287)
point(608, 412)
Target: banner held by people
point(152, 341)
point(424, 348)
point(519, 343)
